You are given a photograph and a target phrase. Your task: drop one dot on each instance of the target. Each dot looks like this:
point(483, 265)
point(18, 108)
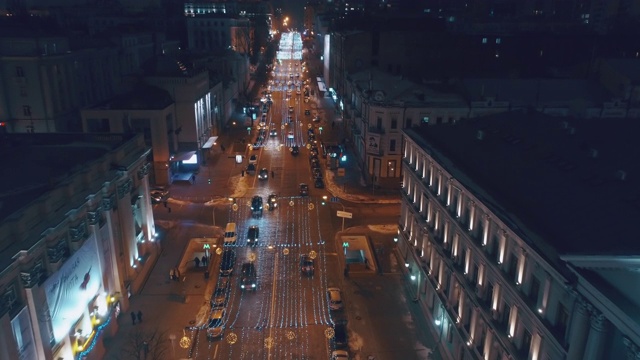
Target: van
point(230, 234)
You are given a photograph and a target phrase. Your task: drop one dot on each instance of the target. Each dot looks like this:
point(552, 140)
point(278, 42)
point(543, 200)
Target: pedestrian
point(222, 147)
point(177, 272)
point(139, 316)
point(205, 261)
point(272, 174)
point(242, 173)
point(169, 209)
point(172, 274)
point(165, 203)
point(197, 261)
point(366, 263)
point(133, 317)
point(346, 271)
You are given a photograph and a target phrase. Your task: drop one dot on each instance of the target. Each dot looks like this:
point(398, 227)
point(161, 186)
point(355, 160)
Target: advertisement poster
point(373, 143)
point(23, 334)
point(70, 290)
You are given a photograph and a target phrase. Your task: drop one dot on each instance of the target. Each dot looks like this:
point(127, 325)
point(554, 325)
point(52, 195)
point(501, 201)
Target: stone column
point(579, 330)
point(597, 336)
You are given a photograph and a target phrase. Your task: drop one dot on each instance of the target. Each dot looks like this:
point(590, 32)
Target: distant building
point(379, 106)
point(77, 236)
point(517, 239)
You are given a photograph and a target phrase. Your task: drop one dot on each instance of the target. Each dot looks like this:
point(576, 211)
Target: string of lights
point(98, 330)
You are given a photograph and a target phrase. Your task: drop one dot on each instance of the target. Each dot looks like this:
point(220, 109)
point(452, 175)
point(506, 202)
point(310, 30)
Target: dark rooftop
point(141, 97)
point(36, 163)
point(573, 182)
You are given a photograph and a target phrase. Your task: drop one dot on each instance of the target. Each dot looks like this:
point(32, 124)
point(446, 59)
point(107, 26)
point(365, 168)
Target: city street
point(288, 315)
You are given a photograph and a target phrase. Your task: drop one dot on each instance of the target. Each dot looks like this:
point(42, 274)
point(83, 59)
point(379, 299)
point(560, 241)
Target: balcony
point(376, 130)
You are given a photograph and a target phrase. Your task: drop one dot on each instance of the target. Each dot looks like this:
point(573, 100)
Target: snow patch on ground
point(337, 190)
point(385, 229)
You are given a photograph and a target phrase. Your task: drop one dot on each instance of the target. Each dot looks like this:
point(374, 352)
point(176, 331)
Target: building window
point(535, 289)
point(19, 71)
point(526, 343)
point(394, 123)
point(425, 120)
point(562, 319)
point(409, 124)
point(498, 40)
point(379, 123)
point(484, 40)
point(23, 91)
point(26, 110)
point(392, 145)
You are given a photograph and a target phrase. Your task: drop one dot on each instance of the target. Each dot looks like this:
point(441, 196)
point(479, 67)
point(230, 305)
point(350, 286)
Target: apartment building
point(378, 106)
point(77, 236)
point(516, 236)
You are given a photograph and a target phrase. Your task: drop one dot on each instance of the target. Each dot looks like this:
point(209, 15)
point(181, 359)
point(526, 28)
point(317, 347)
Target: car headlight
point(242, 286)
point(253, 285)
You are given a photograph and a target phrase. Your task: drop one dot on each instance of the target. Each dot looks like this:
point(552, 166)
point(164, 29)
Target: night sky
point(294, 9)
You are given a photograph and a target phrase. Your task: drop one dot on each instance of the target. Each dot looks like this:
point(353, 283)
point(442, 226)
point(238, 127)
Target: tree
point(146, 345)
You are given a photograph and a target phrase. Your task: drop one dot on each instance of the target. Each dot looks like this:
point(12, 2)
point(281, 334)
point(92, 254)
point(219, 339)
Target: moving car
point(215, 327)
point(272, 201)
point(335, 299)
point(290, 109)
point(227, 262)
point(219, 297)
point(295, 150)
point(318, 183)
point(273, 132)
point(264, 174)
point(290, 135)
point(256, 205)
point(307, 112)
point(251, 169)
point(248, 278)
point(252, 235)
point(253, 159)
point(304, 189)
point(306, 265)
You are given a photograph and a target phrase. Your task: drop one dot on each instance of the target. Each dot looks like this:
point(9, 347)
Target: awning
point(212, 140)
point(182, 156)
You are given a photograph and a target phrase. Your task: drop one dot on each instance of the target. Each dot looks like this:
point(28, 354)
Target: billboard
point(373, 143)
point(71, 288)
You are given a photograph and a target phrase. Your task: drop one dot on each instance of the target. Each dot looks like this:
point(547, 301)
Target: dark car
point(317, 173)
point(306, 265)
point(340, 336)
point(256, 205)
point(219, 297)
point(251, 169)
point(252, 235)
point(307, 112)
point(248, 278)
point(304, 189)
point(264, 174)
point(158, 194)
point(295, 150)
point(272, 201)
point(273, 132)
point(227, 263)
point(319, 183)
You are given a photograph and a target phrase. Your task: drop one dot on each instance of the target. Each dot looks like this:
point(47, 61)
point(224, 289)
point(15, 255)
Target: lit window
point(484, 40)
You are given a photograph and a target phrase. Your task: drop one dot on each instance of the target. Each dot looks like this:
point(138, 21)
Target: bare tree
point(146, 345)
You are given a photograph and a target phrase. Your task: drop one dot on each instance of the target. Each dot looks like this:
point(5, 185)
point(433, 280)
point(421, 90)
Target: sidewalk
point(163, 303)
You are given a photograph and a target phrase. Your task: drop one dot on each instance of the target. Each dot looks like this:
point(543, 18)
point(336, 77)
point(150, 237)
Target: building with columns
point(516, 237)
point(77, 236)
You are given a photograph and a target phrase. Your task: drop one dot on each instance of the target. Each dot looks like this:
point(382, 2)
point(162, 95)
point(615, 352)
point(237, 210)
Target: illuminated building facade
point(516, 237)
point(77, 235)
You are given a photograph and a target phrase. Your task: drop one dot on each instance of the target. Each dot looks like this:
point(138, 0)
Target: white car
point(340, 355)
point(335, 299)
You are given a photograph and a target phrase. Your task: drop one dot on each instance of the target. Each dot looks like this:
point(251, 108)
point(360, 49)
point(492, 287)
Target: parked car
point(335, 299)
point(340, 340)
point(272, 201)
point(304, 189)
point(219, 297)
point(252, 235)
point(158, 194)
point(340, 355)
point(215, 327)
point(307, 265)
point(227, 262)
point(248, 278)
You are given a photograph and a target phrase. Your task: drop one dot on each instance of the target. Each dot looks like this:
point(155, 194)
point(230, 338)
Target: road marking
point(215, 352)
point(273, 301)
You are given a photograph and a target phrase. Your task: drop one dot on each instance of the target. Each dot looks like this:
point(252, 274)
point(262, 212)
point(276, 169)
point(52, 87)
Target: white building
point(77, 238)
point(494, 208)
point(378, 106)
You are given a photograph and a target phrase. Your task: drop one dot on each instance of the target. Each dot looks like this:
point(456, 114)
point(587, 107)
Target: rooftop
point(141, 97)
point(572, 183)
point(37, 163)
